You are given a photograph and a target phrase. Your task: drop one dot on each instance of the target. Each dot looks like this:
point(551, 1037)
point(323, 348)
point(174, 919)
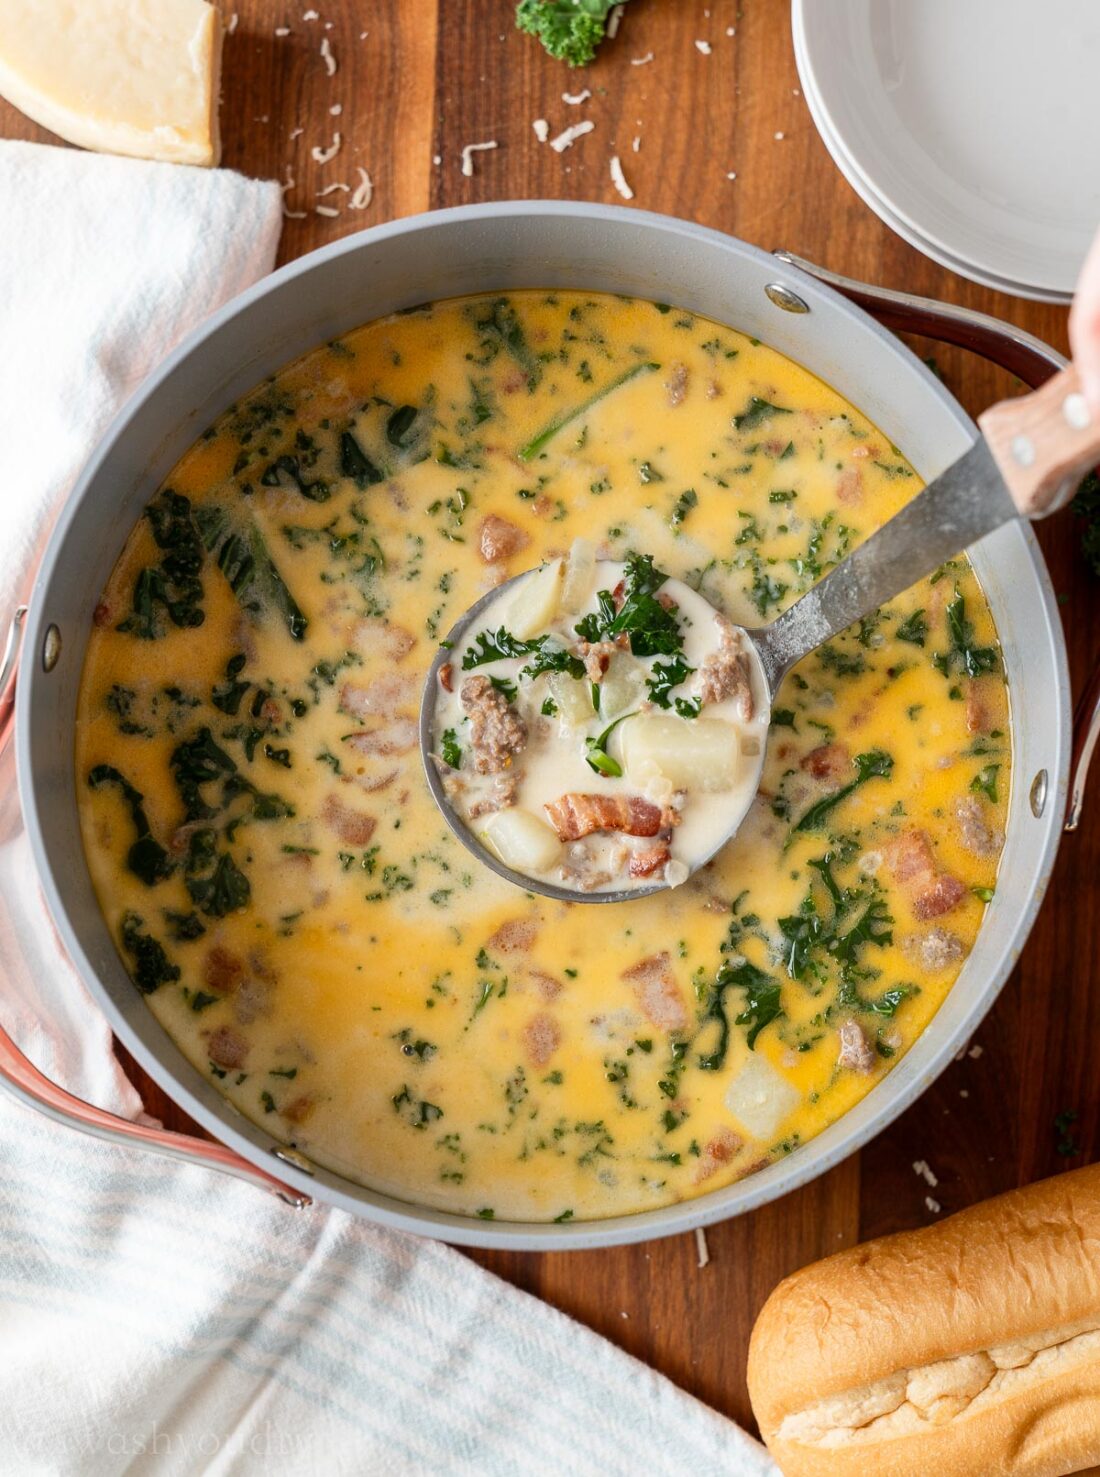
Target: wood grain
point(429, 78)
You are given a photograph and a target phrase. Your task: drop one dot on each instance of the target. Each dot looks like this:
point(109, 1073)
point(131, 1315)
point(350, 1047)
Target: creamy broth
point(291, 902)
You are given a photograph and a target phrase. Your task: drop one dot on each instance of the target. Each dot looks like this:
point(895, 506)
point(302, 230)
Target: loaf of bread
point(969, 1347)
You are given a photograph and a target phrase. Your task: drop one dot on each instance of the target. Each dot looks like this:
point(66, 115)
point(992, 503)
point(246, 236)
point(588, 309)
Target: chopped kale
point(152, 967)
point(873, 765)
point(356, 464)
point(756, 413)
point(147, 859)
point(174, 585)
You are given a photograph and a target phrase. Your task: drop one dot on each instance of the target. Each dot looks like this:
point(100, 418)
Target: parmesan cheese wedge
point(133, 77)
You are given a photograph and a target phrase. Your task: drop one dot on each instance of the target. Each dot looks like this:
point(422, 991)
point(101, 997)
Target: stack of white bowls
point(971, 127)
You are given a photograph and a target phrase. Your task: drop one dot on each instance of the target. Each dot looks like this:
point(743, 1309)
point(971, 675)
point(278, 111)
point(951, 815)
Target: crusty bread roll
point(969, 1347)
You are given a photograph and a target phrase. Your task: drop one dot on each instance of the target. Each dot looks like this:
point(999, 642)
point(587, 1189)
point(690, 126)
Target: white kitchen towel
point(156, 1317)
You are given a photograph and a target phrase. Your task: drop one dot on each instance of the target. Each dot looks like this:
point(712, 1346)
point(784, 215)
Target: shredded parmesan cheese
point(613, 22)
point(778, 136)
point(542, 129)
point(327, 57)
point(232, 23)
point(331, 190)
point(296, 132)
point(574, 99)
point(322, 156)
point(282, 30)
point(618, 178)
point(701, 1247)
point(568, 136)
point(933, 1205)
point(336, 109)
point(329, 210)
point(636, 143)
point(640, 61)
point(703, 46)
point(468, 155)
point(924, 1169)
point(311, 15)
point(364, 191)
point(288, 184)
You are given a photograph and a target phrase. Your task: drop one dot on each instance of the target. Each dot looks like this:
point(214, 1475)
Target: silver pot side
point(486, 248)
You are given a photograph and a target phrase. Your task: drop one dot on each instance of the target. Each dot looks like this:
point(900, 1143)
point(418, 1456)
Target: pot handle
point(1033, 362)
point(23, 1081)
point(1022, 354)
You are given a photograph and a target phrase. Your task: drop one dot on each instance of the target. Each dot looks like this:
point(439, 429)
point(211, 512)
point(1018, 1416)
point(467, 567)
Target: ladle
point(1027, 462)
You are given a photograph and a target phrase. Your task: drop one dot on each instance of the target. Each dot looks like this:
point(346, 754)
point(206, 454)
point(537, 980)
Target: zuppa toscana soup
point(292, 904)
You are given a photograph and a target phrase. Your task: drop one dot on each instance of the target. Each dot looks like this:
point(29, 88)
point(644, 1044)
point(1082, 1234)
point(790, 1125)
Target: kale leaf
point(152, 967)
point(569, 29)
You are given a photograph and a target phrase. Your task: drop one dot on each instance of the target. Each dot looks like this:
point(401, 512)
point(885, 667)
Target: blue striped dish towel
point(159, 1317)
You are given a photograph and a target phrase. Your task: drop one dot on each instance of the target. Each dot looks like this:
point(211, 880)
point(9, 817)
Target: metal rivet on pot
point(51, 648)
point(784, 298)
point(294, 1159)
point(1039, 794)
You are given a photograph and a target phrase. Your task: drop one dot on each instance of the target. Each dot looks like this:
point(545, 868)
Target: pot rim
point(813, 1159)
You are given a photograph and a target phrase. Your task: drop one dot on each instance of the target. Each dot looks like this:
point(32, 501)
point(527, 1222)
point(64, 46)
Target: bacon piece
point(226, 1047)
point(726, 672)
point(398, 737)
point(657, 992)
point(514, 936)
point(446, 677)
point(717, 1151)
point(541, 1038)
point(913, 864)
point(648, 861)
point(855, 1050)
point(574, 815)
point(830, 762)
point(102, 615)
point(223, 970)
point(349, 825)
point(497, 732)
point(299, 1109)
point(380, 698)
point(978, 717)
point(498, 539)
point(849, 486)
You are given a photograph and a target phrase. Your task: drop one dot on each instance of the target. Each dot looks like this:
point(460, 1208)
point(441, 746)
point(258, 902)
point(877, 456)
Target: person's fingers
point(1084, 327)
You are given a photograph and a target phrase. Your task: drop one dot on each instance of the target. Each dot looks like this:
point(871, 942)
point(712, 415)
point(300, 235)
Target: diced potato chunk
point(694, 754)
point(580, 575)
point(760, 1098)
point(522, 841)
point(535, 602)
point(623, 686)
point(573, 701)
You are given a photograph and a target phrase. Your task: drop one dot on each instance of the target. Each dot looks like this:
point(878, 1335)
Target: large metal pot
point(474, 250)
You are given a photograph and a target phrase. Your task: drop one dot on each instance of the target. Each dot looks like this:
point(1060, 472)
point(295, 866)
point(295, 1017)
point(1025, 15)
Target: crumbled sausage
point(548, 985)
point(222, 970)
point(596, 656)
point(575, 815)
point(676, 384)
point(718, 1150)
point(226, 1047)
point(391, 641)
point(830, 762)
point(541, 1038)
point(497, 732)
point(726, 673)
point(978, 717)
point(978, 836)
point(499, 795)
point(913, 864)
point(252, 999)
point(347, 824)
point(514, 936)
point(657, 992)
point(498, 539)
point(397, 737)
point(855, 1050)
point(935, 949)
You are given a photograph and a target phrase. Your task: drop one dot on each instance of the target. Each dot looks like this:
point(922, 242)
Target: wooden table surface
point(415, 81)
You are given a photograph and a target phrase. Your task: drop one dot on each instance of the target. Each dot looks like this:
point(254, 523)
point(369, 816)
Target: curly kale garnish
point(569, 29)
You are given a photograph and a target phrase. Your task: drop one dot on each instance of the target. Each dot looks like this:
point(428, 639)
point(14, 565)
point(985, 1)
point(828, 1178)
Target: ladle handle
point(1043, 443)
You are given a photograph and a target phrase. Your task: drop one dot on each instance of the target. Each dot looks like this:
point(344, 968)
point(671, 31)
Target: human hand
point(1084, 327)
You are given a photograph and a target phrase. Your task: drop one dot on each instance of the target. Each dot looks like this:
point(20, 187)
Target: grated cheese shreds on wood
point(568, 136)
point(701, 1247)
point(933, 1205)
point(331, 190)
point(542, 129)
point(574, 99)
point(924, 1169)
point(640, 61)
point(232, 23)
point(310, 15)
point(703, 47)
point(468, 153)
point(613, 20)
point(288, 184)
point(282, 30)
point(328, 210)
point(322, 156)
point(363, 193)
point(327, 57)
point(636, 142)
point(618, 178)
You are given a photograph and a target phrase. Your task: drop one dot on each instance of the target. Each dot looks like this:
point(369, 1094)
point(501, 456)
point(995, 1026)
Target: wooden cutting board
point(417, 80)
